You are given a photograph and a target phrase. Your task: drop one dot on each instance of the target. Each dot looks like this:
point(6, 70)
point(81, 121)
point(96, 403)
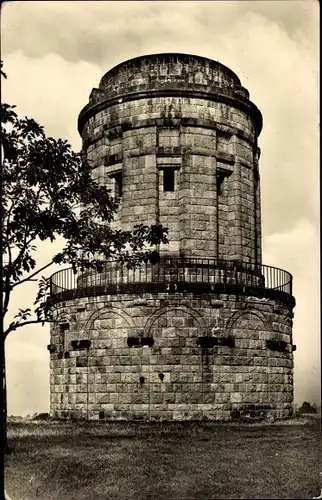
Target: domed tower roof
point(172, 74)
point(175, 66)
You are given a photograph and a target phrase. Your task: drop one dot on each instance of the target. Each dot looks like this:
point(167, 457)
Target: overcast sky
point(55, 52)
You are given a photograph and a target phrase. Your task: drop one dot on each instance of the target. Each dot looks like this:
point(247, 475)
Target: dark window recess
point(51, 348)
point(63, 327)
point(276, 345)
point(161, 376)
point(140, 341)
point(216, 341)
point(66, 354)
point(118, 185)
point(221, 175)
point(148, 341)
point(142, 380)
point(81, 362)
point(80, 344)
point(168, 179)
point(220, 181)
point(101, 415)
point(133, 341)
point(60, 355)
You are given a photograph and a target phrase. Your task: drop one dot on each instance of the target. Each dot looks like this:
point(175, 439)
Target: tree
point(307, 408)
point(48, 192)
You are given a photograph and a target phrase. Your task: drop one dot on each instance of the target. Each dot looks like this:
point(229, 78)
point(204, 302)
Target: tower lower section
point(171, 356)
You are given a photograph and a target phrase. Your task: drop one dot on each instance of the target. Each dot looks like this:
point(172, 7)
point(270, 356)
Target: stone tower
point(206, 332)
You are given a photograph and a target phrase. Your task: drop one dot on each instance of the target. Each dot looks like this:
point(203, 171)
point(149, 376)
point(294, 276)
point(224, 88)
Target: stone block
point(80, 397)
point(236, 397)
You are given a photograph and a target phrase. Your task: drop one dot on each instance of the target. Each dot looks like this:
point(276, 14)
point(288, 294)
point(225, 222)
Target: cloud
point(296, 18)
point(54, 91)
point(97, 31)
point(298, 251)
point(281, 75)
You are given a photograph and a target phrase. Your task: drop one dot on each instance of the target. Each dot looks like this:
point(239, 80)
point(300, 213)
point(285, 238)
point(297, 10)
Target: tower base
point(172, 356)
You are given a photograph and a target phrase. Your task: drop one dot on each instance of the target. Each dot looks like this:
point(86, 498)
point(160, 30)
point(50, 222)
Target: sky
point(54, 53)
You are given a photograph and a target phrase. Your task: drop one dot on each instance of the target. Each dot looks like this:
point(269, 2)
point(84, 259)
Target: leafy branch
point(49, 194)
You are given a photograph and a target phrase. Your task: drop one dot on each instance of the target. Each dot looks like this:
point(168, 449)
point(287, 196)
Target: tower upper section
point(166, 73)
point(175, 137)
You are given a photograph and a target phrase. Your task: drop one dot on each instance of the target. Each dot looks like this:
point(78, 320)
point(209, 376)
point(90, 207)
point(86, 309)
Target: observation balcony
point(175, 275)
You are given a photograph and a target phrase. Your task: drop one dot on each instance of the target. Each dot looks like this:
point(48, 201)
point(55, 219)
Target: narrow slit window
point(221, 176)
point(118, 185)
point(220, 181)
point(168, 179)
point(64, 329)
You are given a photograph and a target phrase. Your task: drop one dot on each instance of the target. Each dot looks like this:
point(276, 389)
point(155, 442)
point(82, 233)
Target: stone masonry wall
point(141, 132)
point(194, 153)
point(175, 378)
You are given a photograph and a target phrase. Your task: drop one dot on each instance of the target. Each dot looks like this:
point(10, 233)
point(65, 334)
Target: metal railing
point(176, 270)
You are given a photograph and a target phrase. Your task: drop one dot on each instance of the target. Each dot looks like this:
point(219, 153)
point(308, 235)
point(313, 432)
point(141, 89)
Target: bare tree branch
point(14, 326)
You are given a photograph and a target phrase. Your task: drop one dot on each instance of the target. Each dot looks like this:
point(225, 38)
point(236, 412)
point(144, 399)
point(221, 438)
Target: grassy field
point(101, 460)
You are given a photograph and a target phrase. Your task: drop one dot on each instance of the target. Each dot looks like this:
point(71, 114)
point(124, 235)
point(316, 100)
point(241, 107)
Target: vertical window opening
point(118, 189)
point(220, 185)
point(64, 328)
point(168, 179)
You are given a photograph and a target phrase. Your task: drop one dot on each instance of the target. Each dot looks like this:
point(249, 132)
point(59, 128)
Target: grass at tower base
point(120, 460)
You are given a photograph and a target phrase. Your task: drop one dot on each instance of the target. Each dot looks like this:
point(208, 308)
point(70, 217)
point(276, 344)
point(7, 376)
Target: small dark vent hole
point(161, 376)
point(101, 415)
point(142, 380)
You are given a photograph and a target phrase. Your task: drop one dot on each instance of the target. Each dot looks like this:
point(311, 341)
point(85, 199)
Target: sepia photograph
point(160, 218)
